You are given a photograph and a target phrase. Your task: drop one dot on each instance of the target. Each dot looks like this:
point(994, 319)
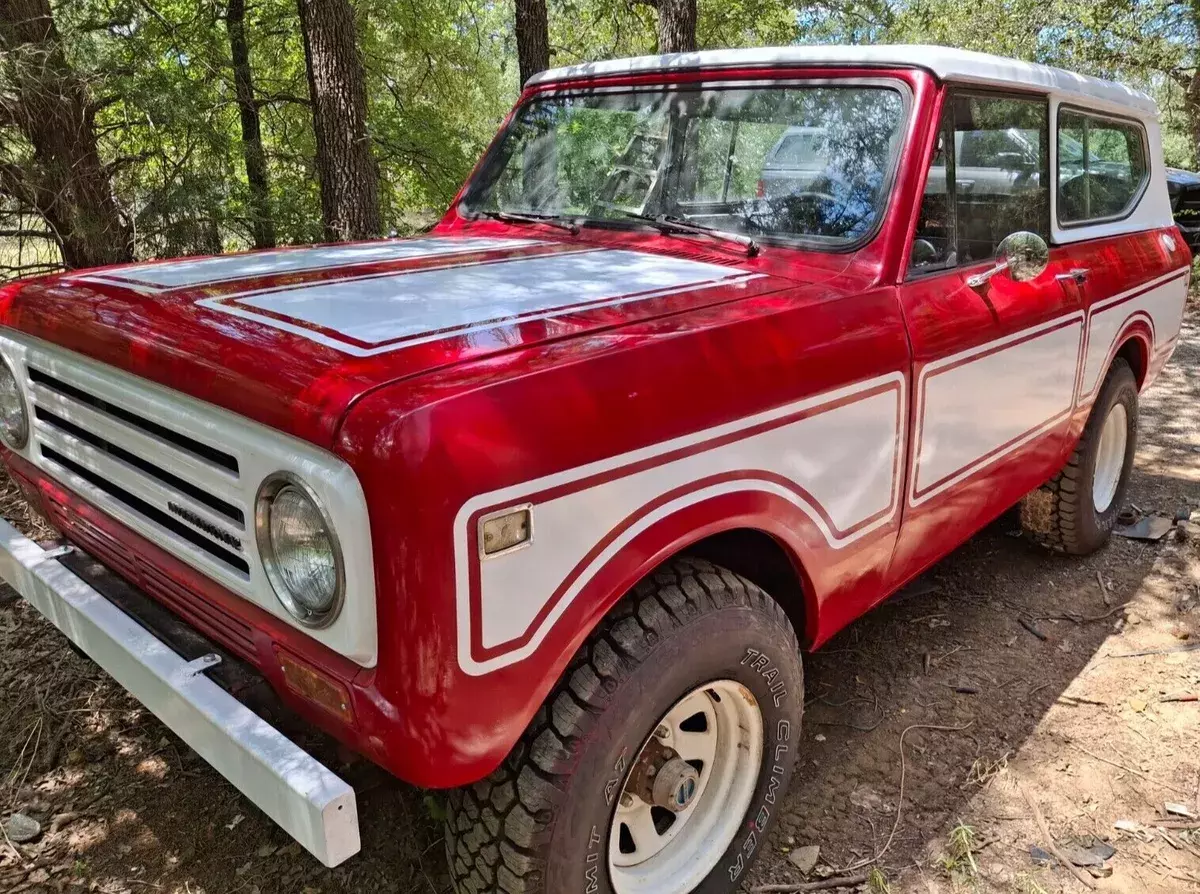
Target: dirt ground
point(938, 730)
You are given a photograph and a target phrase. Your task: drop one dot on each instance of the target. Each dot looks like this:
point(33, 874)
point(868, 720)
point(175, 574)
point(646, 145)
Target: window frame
point(951, 92)
point(1136, 199)
point(887, 188)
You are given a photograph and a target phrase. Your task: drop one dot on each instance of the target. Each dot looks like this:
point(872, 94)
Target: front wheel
point(1074, 512)
point(659, 761)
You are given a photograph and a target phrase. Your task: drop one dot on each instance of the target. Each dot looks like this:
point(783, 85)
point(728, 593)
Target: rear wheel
point(658, 763)
point(1074, 512)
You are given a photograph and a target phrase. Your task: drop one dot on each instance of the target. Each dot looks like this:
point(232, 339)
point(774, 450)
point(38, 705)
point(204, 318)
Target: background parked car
point(1184, 189)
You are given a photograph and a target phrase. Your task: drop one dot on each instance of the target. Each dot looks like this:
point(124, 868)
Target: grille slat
point(146, 510)
point(135, 421)
point(118, 474)
point(174, 485)
point(210, 477)
point(162, 476)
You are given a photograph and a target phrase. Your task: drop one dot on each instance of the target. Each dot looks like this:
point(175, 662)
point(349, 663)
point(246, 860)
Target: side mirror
point(1023, 255)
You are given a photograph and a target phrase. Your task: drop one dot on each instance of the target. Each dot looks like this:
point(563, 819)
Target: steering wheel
point(764, 217)
point(820, 195)
point(604, 205)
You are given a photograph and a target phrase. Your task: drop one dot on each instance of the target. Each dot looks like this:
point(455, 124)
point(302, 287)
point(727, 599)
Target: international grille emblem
point(206, 526)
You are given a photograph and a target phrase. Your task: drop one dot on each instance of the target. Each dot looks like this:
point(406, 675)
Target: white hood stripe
point(155, 277)
point(369, 316)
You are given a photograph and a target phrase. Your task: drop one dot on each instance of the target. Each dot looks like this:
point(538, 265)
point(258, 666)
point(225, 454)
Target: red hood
point(292, 337)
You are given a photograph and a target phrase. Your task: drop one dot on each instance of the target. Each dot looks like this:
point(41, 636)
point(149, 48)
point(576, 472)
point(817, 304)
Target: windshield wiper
point(552, 220)
point(667, 224)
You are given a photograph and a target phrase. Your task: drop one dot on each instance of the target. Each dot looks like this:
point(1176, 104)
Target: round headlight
point(299, 550)
point(14, 419)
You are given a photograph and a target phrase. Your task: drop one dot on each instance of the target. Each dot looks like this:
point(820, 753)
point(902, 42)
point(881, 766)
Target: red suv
point(543, 506)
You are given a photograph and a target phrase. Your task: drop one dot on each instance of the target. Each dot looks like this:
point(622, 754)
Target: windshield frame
point(491, 165)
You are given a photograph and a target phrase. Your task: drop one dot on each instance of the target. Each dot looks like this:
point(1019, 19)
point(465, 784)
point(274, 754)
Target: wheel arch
point(1134, 348)
point(757, 535)
point(766, 562)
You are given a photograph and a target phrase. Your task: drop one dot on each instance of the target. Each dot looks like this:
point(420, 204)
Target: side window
point(1102, 166)
point(1001, 183)
point(995, 181)
point(934, 244)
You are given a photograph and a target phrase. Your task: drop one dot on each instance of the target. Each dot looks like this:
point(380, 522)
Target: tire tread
point(496, 827)
point(1066, 494)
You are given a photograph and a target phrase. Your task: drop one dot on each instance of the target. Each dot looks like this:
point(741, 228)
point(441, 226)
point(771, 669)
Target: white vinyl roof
point(946, 63)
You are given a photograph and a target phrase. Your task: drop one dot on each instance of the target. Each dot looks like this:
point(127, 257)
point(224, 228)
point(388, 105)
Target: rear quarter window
point(1103, 167)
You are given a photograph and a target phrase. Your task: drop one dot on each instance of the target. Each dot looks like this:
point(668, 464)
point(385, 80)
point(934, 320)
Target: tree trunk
point(262, 222)
point(1191, 98)
point(676, 26)
point(1191, 108)
point(65, 182)
point(533, 38)
point(337, 85)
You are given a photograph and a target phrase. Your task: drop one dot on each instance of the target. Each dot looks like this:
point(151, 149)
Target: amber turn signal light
point(315, 687)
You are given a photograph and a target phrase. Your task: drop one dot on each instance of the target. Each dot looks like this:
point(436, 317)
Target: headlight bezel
point(270, 488)
point(24, 442)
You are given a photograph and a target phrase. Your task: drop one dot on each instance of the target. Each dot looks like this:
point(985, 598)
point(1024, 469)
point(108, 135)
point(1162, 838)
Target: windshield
point(801, 147)
point(713, 158)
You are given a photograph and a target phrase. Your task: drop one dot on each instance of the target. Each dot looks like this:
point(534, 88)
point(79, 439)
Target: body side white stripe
point(1051, 355)
point(475, 668)
point(1162, 303)
point(967, 413)
point(815, 453)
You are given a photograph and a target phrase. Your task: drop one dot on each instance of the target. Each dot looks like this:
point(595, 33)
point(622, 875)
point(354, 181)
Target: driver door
point(994, 365)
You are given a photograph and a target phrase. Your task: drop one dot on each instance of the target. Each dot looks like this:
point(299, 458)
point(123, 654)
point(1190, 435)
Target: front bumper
point(308, 801)
point(1191, 235)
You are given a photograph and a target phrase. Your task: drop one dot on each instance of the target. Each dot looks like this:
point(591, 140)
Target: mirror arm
point(981, 279)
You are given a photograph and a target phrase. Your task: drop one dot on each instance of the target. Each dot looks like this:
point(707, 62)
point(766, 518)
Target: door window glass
point(934, 244)
point(993, 184)
point(1101, 166)
point(1000, 182)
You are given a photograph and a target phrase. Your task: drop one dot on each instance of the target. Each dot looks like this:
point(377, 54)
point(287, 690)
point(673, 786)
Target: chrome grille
point(1188, 202)
point(188, 489)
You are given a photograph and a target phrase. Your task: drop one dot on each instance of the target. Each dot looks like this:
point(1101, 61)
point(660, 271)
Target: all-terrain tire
point(540, 823)
point(1061, 514)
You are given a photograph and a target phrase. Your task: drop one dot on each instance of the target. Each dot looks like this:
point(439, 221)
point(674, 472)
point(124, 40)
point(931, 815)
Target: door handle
point(1077, 275)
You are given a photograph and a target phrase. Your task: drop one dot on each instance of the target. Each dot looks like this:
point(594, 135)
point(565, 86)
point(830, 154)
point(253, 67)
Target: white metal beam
point(308, 801)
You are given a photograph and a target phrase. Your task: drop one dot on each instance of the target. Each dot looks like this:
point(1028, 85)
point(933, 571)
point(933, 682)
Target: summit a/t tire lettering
point(693, 658)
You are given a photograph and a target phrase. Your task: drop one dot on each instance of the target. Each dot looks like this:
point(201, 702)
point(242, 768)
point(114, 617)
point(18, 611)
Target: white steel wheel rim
point(728, 745)
point(1110, 457)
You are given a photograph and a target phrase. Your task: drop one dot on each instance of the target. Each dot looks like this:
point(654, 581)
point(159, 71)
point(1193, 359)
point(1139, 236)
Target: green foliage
point(443, 73)
point(1153, 45)
point(959, 859)
point(877, 882)
point(1026, 883)
point(435, 807)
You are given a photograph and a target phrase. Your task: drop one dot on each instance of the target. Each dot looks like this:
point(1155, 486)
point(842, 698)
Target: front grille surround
point(184, 474)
